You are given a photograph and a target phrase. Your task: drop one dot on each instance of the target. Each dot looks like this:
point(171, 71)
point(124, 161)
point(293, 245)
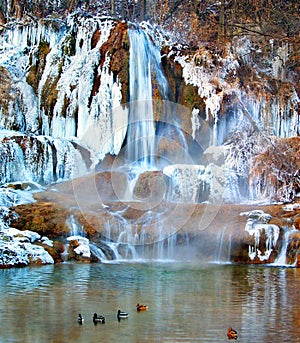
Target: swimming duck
point(231, 333)
point(80, 319)
point(140, 307)
point(122, 315)
point(98, 319)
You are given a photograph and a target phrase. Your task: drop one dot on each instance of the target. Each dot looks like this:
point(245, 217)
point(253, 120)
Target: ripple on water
point(187, 303)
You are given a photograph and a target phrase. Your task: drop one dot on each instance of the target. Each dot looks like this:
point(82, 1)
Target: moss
point(69, 46)
point(117, 47)
point(5, 86)
point(44, 218)
point(43, 48)
point(49, 91)
point(36, 70)
point(190, 97)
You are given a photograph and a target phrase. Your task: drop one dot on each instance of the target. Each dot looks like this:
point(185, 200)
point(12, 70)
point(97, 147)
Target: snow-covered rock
point(83, 248)
point(16, 249)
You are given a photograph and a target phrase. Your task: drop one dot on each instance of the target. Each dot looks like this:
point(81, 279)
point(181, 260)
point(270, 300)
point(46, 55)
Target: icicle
point(186, 183)
point(256, 225)
point(195, 122)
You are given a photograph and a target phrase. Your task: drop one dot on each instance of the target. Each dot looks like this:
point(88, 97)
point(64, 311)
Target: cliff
point(223, 127)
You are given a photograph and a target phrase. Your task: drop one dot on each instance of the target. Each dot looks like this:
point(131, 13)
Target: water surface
point(187, 303)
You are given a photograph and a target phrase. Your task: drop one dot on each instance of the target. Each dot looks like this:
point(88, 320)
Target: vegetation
point(193, 23)
point(276, 170)
point(199, 18)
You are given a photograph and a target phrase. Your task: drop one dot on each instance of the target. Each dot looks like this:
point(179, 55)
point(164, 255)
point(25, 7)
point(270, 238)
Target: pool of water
point(187, 303)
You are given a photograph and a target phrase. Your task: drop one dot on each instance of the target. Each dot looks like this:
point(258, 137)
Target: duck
point(231, 333)
point(140, 307)
point(122, 315)
point(98, 319)
point(80, 319)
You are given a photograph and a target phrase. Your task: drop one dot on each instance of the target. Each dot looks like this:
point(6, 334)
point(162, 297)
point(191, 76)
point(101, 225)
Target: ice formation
point(75, 74)
point(257, 225)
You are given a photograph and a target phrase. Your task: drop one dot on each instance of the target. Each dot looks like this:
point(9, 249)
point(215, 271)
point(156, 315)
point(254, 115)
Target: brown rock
point(297, 222)
point(293, 249)
point(151, 186)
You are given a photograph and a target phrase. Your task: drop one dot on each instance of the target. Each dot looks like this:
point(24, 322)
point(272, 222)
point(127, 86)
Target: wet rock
point(56, 250)
point(151, 186)
point(214, 154)
point(95, 188)
point(297, 222)
point(293, 249)
point(79, 249)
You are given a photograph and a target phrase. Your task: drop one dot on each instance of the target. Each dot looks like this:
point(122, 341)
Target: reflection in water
point(267, 307)
point(187, 303)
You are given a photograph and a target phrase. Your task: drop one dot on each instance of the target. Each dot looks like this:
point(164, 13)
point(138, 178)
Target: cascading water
point(144, 62)
point(129, 239)
point(75, 228)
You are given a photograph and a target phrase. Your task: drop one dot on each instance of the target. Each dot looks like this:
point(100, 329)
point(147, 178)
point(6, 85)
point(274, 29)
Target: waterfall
point(144, 62)
point(75, 228)
point(146, 237)
point(281, 259)
point(221, 248)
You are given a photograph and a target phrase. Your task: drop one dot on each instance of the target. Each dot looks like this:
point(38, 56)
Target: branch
point(255, 32)
point(254, 125)
point(172, 10)
point(249, 30)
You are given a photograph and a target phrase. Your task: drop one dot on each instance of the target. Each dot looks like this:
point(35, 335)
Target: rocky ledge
point(56, 228)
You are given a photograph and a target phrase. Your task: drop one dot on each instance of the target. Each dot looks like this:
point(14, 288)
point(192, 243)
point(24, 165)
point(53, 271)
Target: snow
point(10, 197)
point(198, 77)
point(16, 248)
point(46, 241)
point(83, 249)
point(291, 207)
point(30, 235)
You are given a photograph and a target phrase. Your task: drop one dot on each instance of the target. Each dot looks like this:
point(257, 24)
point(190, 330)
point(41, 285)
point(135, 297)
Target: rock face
point(293, 249)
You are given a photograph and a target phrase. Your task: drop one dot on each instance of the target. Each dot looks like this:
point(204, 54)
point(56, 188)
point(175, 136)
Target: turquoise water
point(187, 303)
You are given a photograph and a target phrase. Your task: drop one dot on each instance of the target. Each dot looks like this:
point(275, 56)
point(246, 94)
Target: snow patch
point(83, 249)
point(16, 248)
